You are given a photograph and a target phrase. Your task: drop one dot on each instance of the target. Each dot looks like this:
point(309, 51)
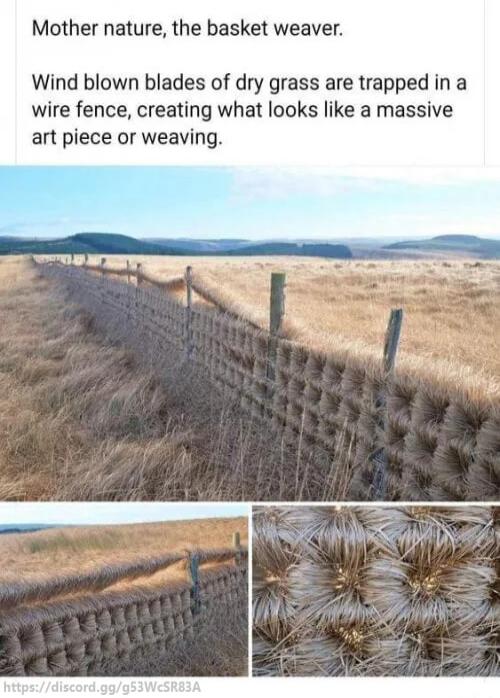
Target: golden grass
point(452, 308)
point(85, 567)
point(80, 419)
point(57, 551)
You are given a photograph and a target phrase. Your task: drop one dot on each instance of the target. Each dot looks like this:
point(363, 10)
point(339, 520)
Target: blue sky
point(111, 513)
point(249, 203)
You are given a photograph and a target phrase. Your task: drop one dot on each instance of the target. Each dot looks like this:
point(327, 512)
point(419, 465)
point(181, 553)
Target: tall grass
point(452, 317)
point(62, 542)
point(64, 550)
point(80, 419)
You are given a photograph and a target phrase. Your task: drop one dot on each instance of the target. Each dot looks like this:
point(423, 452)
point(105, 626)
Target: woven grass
point(78, 632)
point(365, 591)
point(441, 441)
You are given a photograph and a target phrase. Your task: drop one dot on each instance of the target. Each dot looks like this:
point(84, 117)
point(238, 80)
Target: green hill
point(81, 243)
point(110, 243)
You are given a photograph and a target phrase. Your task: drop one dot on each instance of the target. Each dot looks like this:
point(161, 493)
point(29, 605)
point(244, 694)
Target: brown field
point(452, 308)
point(57, 551)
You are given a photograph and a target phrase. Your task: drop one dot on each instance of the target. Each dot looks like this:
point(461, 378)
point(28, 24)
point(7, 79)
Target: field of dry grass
point(81, 419)
point(452, 308)
point(66, 549)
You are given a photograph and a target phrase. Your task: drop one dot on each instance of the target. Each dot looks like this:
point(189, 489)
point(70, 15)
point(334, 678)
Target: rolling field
point(452, 308)
point(80, 548)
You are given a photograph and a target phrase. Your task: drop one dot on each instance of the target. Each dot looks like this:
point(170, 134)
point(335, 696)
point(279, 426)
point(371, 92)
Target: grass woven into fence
point(366, 591)
point(440, 441)
point(115, 631)
point(94, 580)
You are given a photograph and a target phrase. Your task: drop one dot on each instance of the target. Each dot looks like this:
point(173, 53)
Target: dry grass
point(366, 591)
point(82, 548)
point(81, 419)
point(59, 586)
point(452, 307)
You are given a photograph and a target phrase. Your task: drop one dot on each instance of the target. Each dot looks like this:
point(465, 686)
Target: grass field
point(61, 550)
point(80, 419)
point(452, 308)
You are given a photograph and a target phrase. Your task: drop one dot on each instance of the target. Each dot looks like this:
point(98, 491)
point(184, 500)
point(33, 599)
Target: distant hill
point(110, 243)
point(458, 244)
point(293, 248)
point(81, 243)
point(22, 528)
point(193, 246)
point(119, 244)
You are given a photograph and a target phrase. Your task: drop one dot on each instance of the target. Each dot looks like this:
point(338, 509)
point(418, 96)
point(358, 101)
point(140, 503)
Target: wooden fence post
point(276, 315)
point(128, 271)
point(189, 310)
point(391, 345)
point(72, 258)
point(103, 264)
point(277, 305)
point(194, 572)
point(85, 259)
point(392, 337)
point(139, 273)
point(237, 545)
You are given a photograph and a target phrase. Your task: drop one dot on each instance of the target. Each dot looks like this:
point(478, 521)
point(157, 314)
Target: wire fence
point(387, 434)
point(63, 627)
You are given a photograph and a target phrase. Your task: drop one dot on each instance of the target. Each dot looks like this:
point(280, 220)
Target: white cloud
point(272, 183)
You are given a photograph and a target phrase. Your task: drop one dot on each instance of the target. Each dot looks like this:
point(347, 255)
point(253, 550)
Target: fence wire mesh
point(438, 443)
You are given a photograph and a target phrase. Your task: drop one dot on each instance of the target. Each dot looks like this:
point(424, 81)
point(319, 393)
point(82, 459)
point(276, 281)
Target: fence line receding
point(395, 435)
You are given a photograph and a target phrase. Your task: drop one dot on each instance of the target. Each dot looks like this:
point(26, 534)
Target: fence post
point(72, 258)
point(85, 259)
point(276, 315)
point(194, 572)
point(391, 345)
point(189, 310)
point(237, 545)
point(392, 337)
point(128, 271)
point(139, 273)
point(103, 263)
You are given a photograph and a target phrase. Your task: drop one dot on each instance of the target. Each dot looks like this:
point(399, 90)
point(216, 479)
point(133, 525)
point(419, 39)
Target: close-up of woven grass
point(117, 620)
point(376, 591)
point(439, 440)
